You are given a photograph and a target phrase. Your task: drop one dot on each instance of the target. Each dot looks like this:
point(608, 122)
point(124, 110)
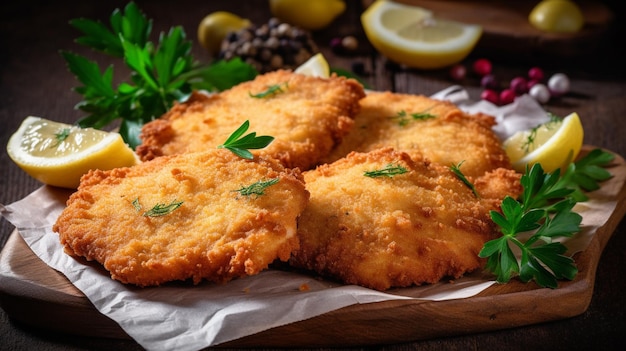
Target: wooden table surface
point(34, 81)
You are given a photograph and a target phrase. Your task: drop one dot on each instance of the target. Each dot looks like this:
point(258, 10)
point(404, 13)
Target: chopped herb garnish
point(404, 118)
point(456, 169)
point(136, 204)
point(162, 73)
point(271, 90)
point(543, 211)
point(390, 170)
point(162, 209)
point(61, 136)
point(239, 144)
point(530, 140)
point(257, 188)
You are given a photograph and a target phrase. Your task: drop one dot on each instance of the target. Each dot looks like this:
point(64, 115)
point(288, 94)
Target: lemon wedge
point(413, 36)
point(59, 154)
point(559, 16)
point(215, 26)
point(553, 144)
point(316, 66)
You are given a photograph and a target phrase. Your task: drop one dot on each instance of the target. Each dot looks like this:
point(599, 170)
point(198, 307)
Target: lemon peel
point(59, 154)
point(415, 37)
point(553, 144)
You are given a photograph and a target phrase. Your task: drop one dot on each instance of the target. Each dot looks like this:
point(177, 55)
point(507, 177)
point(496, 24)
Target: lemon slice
point(59, 154)
point(413, 36)
point(553, 144)
point(316, 66)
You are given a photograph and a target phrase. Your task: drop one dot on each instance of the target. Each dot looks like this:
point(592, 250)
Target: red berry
point(531, 83)
point(458, 72)
point(519, 85)
point(507, 96)
point(489, 82)
point(491, 96)
point(536, 74)
point(482, 67)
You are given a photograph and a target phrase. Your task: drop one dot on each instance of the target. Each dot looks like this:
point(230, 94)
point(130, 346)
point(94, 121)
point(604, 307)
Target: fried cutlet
point(306, 115)
point(439, 130)
point(396, 230)
point(207, 215)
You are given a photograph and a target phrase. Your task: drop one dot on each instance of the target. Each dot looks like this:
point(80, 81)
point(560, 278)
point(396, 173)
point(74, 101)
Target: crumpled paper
point(183, 317)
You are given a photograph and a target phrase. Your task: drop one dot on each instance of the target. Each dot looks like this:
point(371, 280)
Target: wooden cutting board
point(35, 294)
point(506, 29)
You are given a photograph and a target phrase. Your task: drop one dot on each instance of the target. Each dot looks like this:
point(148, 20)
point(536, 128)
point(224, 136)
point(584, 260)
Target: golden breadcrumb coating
point(441, 132)
point(408, 229)
point(216, 234)
point(307, 116)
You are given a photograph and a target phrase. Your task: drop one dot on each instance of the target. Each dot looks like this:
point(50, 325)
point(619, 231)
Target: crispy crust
point(307, 119)
point(450, 138)
point(409, 229)
point(216, 234)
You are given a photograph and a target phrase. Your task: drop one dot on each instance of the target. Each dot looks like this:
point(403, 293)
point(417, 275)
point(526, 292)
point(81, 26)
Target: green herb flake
point(61, 136)
point(389, 171)
point(404, 118)
point(136, 204)
point(257, 188)
point(456, 169)
point(271, 90)
point(543, 211)
point(239, 144)
point(530, 140)
point(162, 209)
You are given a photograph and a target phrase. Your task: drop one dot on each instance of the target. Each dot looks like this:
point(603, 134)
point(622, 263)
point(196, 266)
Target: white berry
point(558, 84)
point(540, 93)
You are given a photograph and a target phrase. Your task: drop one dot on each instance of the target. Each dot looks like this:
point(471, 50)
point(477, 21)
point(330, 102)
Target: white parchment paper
point(184, 317)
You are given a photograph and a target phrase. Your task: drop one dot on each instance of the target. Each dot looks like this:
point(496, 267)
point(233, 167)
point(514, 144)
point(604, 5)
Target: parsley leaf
point(238, 143)
point(543, 212)
point(162, 73)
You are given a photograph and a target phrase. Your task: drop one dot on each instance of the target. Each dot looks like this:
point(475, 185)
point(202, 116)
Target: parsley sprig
point(239, 144)
point(545, 212)
point(161, 73)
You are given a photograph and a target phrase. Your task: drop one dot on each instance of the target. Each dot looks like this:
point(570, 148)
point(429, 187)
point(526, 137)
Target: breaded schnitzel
point(208, 215)
point(437, 129)
point(414, 223)
point(306, 115)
